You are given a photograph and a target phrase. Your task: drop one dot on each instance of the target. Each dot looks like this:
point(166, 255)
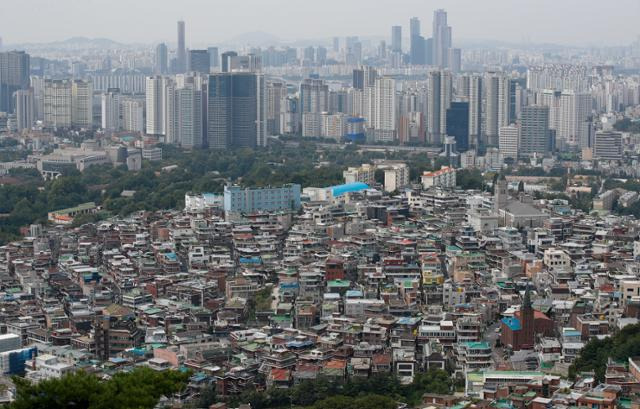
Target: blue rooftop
point(339, 190)
point(513, 323)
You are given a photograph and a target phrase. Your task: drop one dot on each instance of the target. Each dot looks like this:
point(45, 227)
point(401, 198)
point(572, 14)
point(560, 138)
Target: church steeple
point(526, 301)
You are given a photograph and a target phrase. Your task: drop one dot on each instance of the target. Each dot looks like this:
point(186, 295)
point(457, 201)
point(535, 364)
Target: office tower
point(133, 115)
point(14, 75)
point(161, 59)
point(382, 50)
point(534, 131)
point(509, 137)
point(441, 38)
point(236, 110)
point(336, 44)
point(416, 44)
point(156, 105)
point(110, 108)
point(396, 39)
point(314, 96)
point(438, 101)
point(353, 51)
point(321, 56)
point(25, 109)
point(454, 59)
point(185, 114)
point(181, 52)
point(57, 103)
point(214, 59)
point(497, 106)
point(248, 63)
point(607, 145)
point(385, 109)
point(418, 50)
point(226, 60)
point(309, 55)
point(458, 124)
point(199, 61)
point(82, 104)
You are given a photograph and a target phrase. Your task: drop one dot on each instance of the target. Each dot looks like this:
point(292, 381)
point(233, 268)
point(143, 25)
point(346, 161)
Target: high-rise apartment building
point(497, 106)
point(385, 109)
point(110, 110)
point(57, 103)
point(25, 109)
point(438, 101)
point(133, 115)
point(82, 104)
point(156, 97)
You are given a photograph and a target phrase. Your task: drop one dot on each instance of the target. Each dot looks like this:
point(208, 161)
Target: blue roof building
point(340, 190)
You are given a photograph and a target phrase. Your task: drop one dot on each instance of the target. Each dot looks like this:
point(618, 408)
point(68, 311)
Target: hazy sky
point(581, 22)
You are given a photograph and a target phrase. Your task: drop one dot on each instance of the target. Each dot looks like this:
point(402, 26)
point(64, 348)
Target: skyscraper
point(236, 110)
point(181, 52)
point(416, 43)
point(438, 101)
point(156, 105)
point(199, 61)
point(214, 59)
point(226, 60)
point(396, 38)
point(441, 38)
point(25, 109)
point(458, 124)
point(534, 130)
point(14, 75)
point(161, 59)
point(497, 106)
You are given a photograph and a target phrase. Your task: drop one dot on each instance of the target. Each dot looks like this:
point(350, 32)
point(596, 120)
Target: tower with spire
point(527, 320)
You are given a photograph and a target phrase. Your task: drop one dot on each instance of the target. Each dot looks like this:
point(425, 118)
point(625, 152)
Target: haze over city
point(317, 205)
point(569, 22)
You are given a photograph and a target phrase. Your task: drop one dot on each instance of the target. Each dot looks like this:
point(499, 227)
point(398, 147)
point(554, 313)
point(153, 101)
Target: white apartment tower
point(385, 105)
point(82, 104)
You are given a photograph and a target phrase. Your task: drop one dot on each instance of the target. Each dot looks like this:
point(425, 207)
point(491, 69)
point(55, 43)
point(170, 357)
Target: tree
point(594, 356)
point(138, 389)
point(521, 186)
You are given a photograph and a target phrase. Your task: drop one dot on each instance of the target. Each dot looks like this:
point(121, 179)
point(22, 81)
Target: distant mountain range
point(262, 39)
point(74, 43)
